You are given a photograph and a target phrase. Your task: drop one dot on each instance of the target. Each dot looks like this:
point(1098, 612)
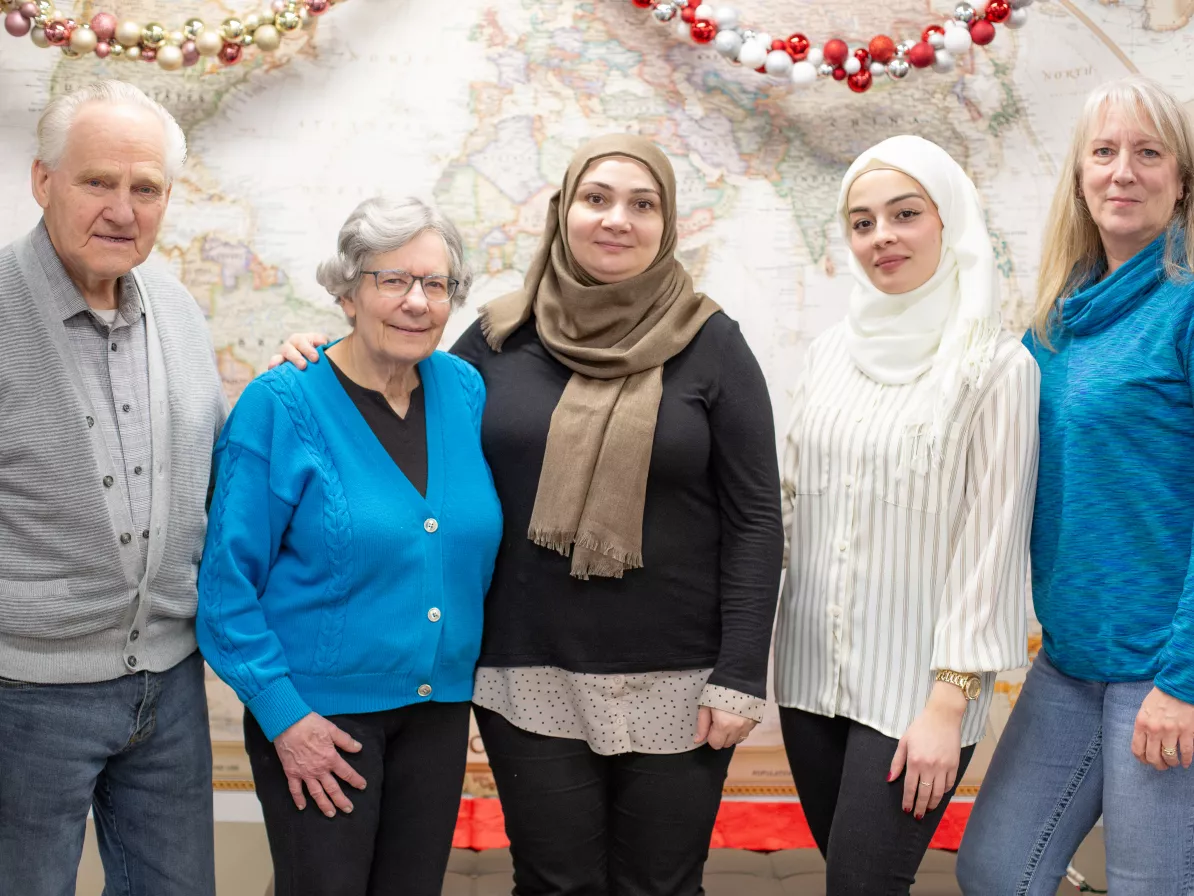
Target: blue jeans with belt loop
point(137, 752)
point(1065, 758)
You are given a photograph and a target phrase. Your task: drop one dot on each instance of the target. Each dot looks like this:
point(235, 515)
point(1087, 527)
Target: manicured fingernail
point(920, 818)
point(907, 811)
point(890, 776)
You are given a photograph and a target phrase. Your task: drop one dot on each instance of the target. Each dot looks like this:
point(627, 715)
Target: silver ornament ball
point(898, 68)
point(825, 70)
point(964, 12)
point(664, 12)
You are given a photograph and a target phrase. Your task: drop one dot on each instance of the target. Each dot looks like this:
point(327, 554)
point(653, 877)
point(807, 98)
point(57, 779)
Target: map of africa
point(479, 105)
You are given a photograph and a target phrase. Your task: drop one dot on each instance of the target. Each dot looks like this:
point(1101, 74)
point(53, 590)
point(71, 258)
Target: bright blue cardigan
point(328, 583)
point(1111, 537)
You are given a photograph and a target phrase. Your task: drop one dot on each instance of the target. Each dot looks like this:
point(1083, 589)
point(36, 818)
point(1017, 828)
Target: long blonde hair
point(1072, 248)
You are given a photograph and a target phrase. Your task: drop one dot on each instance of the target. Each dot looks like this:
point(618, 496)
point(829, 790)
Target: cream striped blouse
point(896, 572)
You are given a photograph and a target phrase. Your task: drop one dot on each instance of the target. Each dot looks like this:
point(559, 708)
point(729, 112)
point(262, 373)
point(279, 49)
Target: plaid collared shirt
point(113, 362)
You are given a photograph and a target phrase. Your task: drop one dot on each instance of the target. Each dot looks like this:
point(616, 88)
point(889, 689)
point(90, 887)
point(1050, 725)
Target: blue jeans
point(1064, 759)
point(137, 751)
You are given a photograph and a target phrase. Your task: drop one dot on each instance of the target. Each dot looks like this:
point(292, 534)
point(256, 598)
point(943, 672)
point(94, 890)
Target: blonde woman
point(1105, 723)
point(909, 474)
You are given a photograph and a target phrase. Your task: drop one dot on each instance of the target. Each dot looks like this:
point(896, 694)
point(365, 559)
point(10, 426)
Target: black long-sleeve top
point(712, 529)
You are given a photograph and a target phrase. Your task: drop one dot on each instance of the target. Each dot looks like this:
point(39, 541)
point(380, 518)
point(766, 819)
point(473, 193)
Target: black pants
point(871, 847)
point(581, 824)
point(398, 836)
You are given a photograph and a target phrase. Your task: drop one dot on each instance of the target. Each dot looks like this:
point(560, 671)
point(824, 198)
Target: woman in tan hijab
point(631, 439)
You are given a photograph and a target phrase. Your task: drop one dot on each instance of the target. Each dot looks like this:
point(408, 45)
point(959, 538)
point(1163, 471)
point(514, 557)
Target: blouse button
point(842, 545)
point(431, 525)
point(424, 690)
point(847, 480)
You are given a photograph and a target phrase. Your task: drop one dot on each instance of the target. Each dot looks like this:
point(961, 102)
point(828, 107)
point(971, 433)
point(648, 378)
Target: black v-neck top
point(405, 439)
point(712, 528)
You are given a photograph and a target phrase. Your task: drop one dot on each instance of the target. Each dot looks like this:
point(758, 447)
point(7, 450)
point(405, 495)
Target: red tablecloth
point(740, 825)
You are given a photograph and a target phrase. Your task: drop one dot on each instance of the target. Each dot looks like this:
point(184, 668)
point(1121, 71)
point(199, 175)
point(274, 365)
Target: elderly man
point(110, 403)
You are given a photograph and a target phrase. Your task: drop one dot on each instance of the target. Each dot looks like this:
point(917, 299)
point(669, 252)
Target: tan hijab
point(615, 337)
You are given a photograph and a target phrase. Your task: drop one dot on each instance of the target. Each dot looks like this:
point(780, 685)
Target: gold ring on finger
point(1169, 751)
point(926, 783)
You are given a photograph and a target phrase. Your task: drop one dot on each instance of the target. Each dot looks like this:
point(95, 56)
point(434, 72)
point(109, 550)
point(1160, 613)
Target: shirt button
point(434, 614)
point(90, 422)
point(125, 538)
point(137, 470)
point(835, 612)
point(843, 544)
point(424, 690)
point(108, 480)
point(125, 408)
point(113, 346)
point(134, 635)
point(431, 525)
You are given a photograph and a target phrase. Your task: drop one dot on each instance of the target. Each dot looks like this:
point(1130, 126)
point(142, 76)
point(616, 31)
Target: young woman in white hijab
point(908, 483)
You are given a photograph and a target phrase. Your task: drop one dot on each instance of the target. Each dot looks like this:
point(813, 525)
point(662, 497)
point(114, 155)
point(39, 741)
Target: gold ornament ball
point(170, 58)
point(153, 35)
point(288, 22)
point(233, 30)
point(208, 43)
point(71, 54)
point(115, 51)
point(44, 8)
point(128, 33)
point(38, 36)
point(133, 53)
point(192, 28)
point(267, 38)
point(83, 40)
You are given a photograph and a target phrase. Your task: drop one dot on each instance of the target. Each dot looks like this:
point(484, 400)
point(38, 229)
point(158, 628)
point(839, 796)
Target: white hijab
point(947, 327)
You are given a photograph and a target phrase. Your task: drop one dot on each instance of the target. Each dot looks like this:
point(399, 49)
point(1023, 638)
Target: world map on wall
point(479, 104)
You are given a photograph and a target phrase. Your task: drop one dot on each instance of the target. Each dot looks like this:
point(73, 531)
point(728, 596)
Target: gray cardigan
point(73, 605)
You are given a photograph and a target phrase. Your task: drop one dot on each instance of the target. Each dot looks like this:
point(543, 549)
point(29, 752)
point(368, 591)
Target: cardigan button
point(108, 481)
point(431, 525)
point(125, 538)
point(424, 690)
point(434, 614)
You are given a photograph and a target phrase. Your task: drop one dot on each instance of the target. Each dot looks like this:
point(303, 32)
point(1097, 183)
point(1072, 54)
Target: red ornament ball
point(982, 32)
point(860, 81)
point(57, 33)
point(318, 7)
point(922, 54)
point(998, 11)
point(863, 56)
point(836, 51)
point(798, 46)
point(643, 4)
point(779, 44)
point(230, 53)
point(932, 29)
point(703, 32)
point(882, 49)
point(688, 14)
point(839, 74)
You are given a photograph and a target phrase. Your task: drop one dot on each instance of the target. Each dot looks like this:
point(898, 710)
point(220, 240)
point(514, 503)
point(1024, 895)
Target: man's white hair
point(53, 128)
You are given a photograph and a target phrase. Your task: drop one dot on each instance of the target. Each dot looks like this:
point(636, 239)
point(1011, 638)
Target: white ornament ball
point(937, 40)
point(683, 30)
point(664, 12)
point(703, 13)
point(128, 33)
point(778, 64)
point(726, 17)
point(852, 65)
point(170, 58)
point(728, 43)
point(753, 54)
point(267, 38)
point(804, 73)
point(208, 43)
point(764, 38)
point(1017, 19)
point(815, 56)
point(1021, 4)
point(132, 53)
point(957, 41)
point(943, 62)
point(83, 39)
point(877, 68)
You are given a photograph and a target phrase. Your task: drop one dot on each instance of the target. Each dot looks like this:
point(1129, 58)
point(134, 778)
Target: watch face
point(973, 688)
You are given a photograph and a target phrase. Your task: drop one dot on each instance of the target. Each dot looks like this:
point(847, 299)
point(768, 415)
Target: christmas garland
point(795, 59)
point(109, 37)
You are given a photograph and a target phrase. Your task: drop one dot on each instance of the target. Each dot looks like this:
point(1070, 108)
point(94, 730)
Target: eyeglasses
point(437, 289)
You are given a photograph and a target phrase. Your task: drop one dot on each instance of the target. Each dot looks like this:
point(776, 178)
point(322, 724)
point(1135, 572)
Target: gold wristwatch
point(970, 683)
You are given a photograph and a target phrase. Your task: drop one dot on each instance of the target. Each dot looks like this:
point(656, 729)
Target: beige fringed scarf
point(615, 337)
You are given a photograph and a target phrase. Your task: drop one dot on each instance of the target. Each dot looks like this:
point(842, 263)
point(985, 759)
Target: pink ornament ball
point(16, 24)
point(29, 10)
point(104, 25)
point(103, 49)
point(190, 53)
point(318, 7)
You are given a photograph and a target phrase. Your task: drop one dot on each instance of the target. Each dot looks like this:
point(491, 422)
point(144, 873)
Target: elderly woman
point(627, 629)
point(352, 536)
point(909, 474)
point(1105, 722)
